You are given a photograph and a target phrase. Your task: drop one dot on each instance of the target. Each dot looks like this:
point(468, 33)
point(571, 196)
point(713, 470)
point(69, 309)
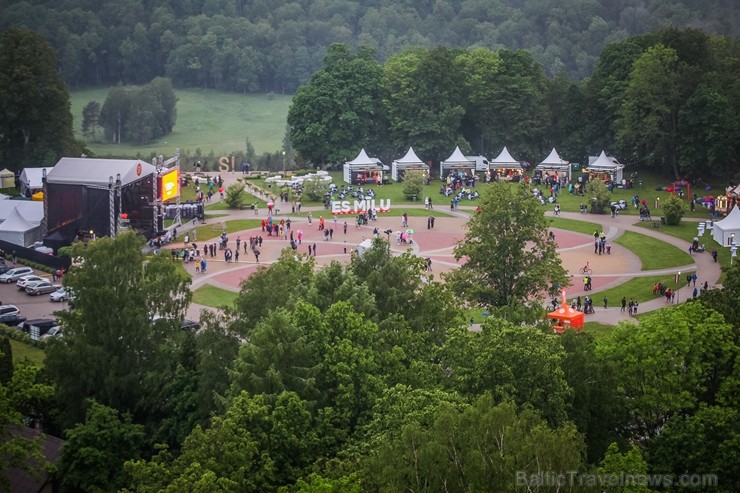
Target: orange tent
point(566, 317)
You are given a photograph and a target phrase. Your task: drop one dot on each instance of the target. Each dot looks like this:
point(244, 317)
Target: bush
point(235, 196)
point(315, 189)
point(598, 195)
point(673, 209)
point(413, 184)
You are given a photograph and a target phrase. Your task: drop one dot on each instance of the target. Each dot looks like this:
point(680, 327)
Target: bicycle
point(585, 270)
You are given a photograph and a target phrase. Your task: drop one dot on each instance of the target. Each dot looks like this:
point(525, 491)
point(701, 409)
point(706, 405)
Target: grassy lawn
point(639, 288)
point(209, 231)
point(584, 227)
point(249, 199)
point(653, 253)
point(598, 330)
point(211, 121)
point(686, 231)
point(214, 297)
point(24, 352)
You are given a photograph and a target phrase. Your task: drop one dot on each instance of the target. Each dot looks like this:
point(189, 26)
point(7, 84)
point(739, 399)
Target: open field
point(639, 289)
point(206, 120)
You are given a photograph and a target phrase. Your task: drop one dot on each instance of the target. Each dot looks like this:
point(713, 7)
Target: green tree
point(482, 447)
point(6, 361)
point(413, 184)
point(111, 346)
point(90, 119)
point(692, 340)
point(624, 465)
point(508, 254)
point(423, 101)
point(95, 450)
point(597, 193)
point(726, 300)
point(523, 365)
point(649, 115)
point(19, 401)
point(339, 109)
point(36, 127)
point(235, 196)
point(674, 209)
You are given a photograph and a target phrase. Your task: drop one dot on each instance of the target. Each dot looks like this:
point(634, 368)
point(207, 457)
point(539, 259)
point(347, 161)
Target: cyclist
point(586, 267)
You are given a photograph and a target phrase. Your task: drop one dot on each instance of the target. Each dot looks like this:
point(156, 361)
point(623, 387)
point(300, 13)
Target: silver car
point(41, 287)
point(26, 280)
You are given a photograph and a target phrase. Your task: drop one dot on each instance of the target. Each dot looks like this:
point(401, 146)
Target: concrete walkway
point(703, 265)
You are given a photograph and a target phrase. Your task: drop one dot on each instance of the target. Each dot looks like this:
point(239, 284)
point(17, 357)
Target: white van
point(14, 274)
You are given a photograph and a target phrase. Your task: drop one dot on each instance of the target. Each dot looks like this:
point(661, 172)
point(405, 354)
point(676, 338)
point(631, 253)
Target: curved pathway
point(438, 244)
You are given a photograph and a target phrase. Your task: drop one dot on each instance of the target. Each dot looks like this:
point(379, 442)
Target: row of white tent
point(601, 164)
point(21, 221)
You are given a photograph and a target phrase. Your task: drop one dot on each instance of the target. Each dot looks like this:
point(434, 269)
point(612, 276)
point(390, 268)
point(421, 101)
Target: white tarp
point(98, 172)
point(723, 230)
point(31, 210)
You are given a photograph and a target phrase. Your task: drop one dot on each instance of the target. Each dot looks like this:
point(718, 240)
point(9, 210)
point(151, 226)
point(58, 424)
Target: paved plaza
point(438, 244)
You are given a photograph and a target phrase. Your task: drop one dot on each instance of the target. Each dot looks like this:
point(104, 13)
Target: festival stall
point(506, 167)
point(410, 162)
point(7, 178)
point(728, 229)
point(555, 165)
point(456, 163)
point(566, 317)
point(605, 168)
point(363, 170)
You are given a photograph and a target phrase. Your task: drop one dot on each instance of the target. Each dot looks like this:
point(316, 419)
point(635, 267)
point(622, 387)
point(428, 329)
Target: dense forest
point(276, 45)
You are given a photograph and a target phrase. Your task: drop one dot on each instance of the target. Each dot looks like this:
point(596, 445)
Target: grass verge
point(23, 352)
point(209, 231)
point(599, 330)
point(639, 289)
point(584, 227)
point(653, 253)
point(214, 297)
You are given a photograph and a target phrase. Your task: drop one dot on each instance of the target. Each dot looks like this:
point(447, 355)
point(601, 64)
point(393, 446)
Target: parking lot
point(30, 306)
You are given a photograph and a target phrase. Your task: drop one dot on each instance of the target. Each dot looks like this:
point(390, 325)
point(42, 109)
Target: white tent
point(31, 180)
point(456, 161)
point(553, 162)
point(19, 231)
point(605, 167)
point(29, 209)
point(506, 166)
point(410, 162)
point(728, 228)
point(363, 169)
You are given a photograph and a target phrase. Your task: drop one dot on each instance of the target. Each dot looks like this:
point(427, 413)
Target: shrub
point(413, 184)
point(673, 210)
point(315, 188)
point(599, 196)
point(235, 196)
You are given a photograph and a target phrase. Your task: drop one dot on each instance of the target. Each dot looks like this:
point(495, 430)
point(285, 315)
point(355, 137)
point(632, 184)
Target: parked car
point(12, 320)
point(9, 310)
point(15, 274)
point(25, 280)
point(38, 327)
point(61, 294)
point(4, 268)
point(55, 331)
point(41, 287)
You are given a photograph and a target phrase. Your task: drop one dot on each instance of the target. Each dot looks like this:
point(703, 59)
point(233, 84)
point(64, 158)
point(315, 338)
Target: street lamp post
point(678, 288)
point(283, 162)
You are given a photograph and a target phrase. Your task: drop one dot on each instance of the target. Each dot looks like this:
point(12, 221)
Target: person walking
point(624, 303)
point(606, 302)
point(257, 255)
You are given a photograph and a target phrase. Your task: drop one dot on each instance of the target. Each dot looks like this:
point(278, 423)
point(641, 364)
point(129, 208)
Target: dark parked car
point(12, 320)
